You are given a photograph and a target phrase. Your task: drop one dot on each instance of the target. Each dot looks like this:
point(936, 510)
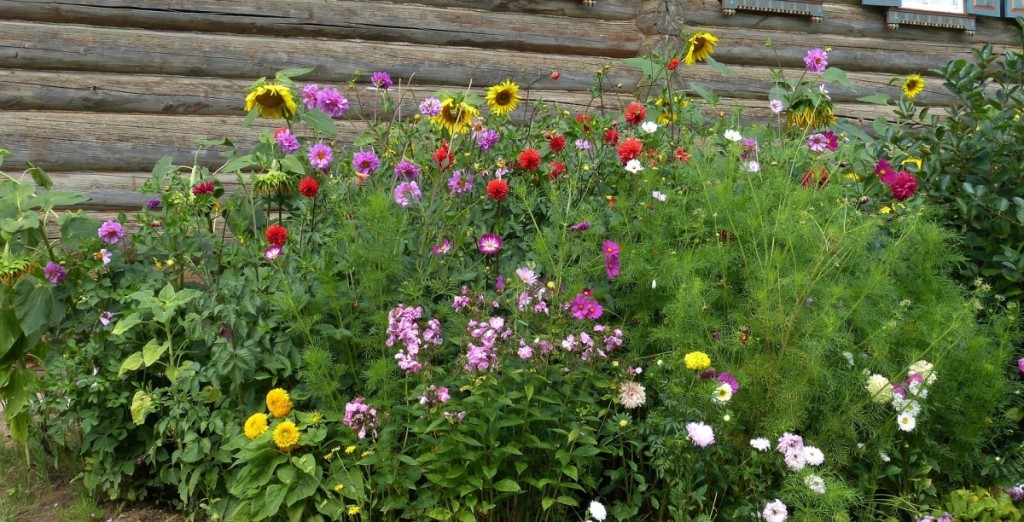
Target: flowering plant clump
point(502, 309)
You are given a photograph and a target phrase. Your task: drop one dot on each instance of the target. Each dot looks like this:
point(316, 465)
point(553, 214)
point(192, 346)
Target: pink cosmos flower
point(272, 253)
point(365, 162)
point(489, 244)
point(443, 248)
point(775, 106)
point(817, 142)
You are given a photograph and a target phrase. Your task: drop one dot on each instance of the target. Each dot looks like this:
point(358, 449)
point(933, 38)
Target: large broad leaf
point(58, 198)
point(878, 99)
point(153, 350)
point(9, 330)
point(132, 363)
point(126, 323)
point(142, 405)
point(36, 307)
point(321, 122)
point(274, 496)
point(39, 176)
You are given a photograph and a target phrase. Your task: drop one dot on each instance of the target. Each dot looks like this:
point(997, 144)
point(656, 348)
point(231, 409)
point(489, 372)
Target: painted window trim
point(813, 8)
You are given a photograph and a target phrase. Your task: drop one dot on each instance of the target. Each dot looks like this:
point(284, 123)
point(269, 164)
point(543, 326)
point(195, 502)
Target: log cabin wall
point(96, 91)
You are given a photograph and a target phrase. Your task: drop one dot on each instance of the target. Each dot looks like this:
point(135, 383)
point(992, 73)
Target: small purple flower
point(111, 232)
point(154, 203)
point(430, 107)
point(775, 106)
point(727, 378)
point(489, 244)
point(583, 307)
point(748, 149)
point(1016, 492)
point(710, 373)
point(105, 318)
point(612, 267)
point(525, 351)
point(460, 183)
point(610, 248)
point(407, 170)
point(580, 227)
point(286, 140)
point(103, 255)
point(406, 189)
point(365, 162)
point(499, 284)
point(272, 253)
point(320, 156)
point(831, 141)
point(54, 273)
point(332, 102)
point(816, 60)
point(443, 248)
point(584, 145)
point(1020, 365)
point(817, 142)
point(487, 139)
point(309, 95)
point(381, 80)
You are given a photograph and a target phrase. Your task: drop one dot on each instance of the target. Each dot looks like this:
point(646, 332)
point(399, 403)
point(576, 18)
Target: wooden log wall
point(96, 91)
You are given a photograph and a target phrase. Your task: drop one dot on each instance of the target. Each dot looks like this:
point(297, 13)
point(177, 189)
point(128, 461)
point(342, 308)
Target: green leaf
point(466, 516)
point(293, 165)
point(142, 405)
point(878, 99)
point(507, 485)
point(439, 513)
point(126, 324)
point(236, 164)
point(273, 497)
point(568, 501)
point(707, 95)
point(320, 122)
point(287, 74)
point(10, 330)
point(305, 463)
point(153, 350)
point(719, 67)
point(39, 176)
point(132, 363)
point(546, 503)
point(834, 75)
point(36, 307)
point(287, 475)
point(58, 198)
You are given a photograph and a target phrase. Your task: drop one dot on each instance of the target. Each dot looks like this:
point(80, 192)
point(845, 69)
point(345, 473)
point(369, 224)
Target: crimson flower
point(205, 187)
point(556, 143)
point(529, 159)
point(497, 189)
point(630, 149)
point(277, 235)
point(309, 187)
point(635, 113)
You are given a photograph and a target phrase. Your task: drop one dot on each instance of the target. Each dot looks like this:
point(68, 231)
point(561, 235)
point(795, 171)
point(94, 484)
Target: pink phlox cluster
point(403, 328)
point(361, 418)
point(796, 454)
point(484, 356)
point(588, 347)
point(435, 395)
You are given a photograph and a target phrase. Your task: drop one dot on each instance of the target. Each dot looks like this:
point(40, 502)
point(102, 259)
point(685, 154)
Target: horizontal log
point(139, 93)
point(115, 190)
point(848, 20)
point(67, 141)
point(852, 54)
point(346, 20)
point(603, 9)
point(42, 46)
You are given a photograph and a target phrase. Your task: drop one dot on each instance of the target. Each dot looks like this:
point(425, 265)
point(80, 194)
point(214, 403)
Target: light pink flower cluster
point(361, 418)
point(484, 356)
point(796, 454)
point(588, 346)
point(327, 99)
point(403, 328)
point(435, 395)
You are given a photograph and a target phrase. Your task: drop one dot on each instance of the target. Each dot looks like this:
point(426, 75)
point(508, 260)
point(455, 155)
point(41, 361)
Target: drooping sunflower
point(256, 425)
point(702, 44)
point(455, 117)
point(503, 98)
point(273, 100)
point(803, 114)
point(279, 402)
point(286, 436)
point(913, 85)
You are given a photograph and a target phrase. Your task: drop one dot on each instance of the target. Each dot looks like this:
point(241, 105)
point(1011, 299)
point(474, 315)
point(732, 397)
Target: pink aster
point(407, 192)
point(407, 170)
point(489, 244)
point(332, 102)
point(111, 232)
point(272, 252)
point(831, 141)
point(54, 273)
point(320, 156)
point(430, 107)
point(775, 106)
point(286, 140)
point(365, 162)
point(309, 95)
point(816, 60)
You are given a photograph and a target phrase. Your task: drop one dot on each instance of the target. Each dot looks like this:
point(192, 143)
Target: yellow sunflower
point(806, 116)
point(913, 85)
point(256, 425)
point(286, 436)
point(697, 360)
point(273, 101)
point(454, 117)
point(279, 403)
point(702, 44)
point(503, 98)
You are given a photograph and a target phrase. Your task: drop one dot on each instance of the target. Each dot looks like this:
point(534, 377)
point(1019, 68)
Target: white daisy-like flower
point(649, 127)
point(775, 512)
point(813, 456)
point(761, 444)
point(597, 510)
point(634, 166)
point(632, 395)
point(723, 393)
point(732, 135)
point(815, 483)
point(659, 196)
point(906, 422)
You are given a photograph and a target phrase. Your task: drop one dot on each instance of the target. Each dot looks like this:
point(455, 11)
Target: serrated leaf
point(153, 350)
point(39, 176)
point(132, 363)
point(320, 122)
point(126, 323)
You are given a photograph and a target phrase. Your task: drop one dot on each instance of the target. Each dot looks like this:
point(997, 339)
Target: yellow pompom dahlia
point(256, 425)
point(286, 436)
point(279, 402)
point(697, 360)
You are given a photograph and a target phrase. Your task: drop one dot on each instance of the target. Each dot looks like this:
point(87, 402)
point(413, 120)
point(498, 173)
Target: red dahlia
point(635, 113)
point(557, 168)
point(584, 119)
point(556, 143)
point(630, 150)
point(904, 186)
point(611, 137)
point(277, 235)
point(309, 187)
point(444, 156)
point(672, 64)
point(497, 189)
point(205, 187)
point(529, 159)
